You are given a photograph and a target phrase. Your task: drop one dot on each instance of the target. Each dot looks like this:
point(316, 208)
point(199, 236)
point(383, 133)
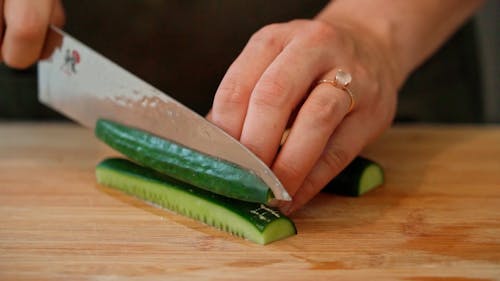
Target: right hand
point(23, 27)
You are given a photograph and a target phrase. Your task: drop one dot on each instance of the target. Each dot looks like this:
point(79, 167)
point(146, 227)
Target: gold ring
point(342, 81)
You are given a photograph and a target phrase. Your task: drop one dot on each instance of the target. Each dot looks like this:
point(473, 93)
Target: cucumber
point(253, 221)
point(182, 163)
point(359, 177)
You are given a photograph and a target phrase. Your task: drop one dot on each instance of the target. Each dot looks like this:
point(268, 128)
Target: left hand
point(273, 84)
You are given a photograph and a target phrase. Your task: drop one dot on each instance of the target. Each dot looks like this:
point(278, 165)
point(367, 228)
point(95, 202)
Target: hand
point(23, 26)
point(273, 84)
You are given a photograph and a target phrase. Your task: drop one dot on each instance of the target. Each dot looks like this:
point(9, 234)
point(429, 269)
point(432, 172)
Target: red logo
point(71, 59)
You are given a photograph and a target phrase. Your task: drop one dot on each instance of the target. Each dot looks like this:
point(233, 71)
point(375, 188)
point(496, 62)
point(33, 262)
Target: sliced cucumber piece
point(359, 177)
point(253, 221)
point(187, 165)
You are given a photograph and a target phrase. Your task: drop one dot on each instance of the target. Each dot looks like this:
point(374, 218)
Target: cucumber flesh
point(359, 177)
point(253, 221)
point(187, 165)
point(371, 177)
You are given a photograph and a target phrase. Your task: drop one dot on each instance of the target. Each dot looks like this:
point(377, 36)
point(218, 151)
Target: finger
point(280, 89)
point(53, 40)
point(344, 144)
point(58, 17)
point(26, 24)
point(323, 110)
point(208, 116)
point(231, 99)
point(1, 28)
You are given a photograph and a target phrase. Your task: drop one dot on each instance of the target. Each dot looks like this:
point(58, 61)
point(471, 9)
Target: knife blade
point(85, 86)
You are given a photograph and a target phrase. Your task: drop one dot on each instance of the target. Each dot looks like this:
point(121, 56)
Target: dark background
point(184, 48)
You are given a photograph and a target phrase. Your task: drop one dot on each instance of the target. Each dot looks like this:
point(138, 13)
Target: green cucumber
point(359, 177)
point(253, 221)
point(187, 165)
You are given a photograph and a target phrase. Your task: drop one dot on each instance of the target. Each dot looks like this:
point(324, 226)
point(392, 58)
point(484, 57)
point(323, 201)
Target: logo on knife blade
point(71, 59)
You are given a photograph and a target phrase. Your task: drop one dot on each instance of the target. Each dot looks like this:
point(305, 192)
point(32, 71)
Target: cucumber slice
point(187, 165)
point(253, 221)
point(359, 177)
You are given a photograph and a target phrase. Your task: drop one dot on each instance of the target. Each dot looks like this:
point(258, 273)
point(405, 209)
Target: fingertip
point(17, 52)
point(14, 62)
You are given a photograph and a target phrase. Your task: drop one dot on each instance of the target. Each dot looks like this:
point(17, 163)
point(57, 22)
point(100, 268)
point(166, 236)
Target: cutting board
point(436, 218)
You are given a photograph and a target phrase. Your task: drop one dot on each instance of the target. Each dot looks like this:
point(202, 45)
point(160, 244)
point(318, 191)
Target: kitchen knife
point(85, 86)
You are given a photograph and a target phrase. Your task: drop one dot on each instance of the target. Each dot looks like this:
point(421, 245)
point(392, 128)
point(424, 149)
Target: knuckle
point(268, 30)
point(231, 93)
point(28, 27)
point(373, 89)
point(299, 21)
point(318, 32)
point(373, 92)
point(320, 28)
point(336, 158)
point(323, 109)
point(363, 73)
point(267, 37)
point(271, 93)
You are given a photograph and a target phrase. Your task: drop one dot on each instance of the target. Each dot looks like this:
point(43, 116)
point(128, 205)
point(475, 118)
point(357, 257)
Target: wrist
point(407, 32)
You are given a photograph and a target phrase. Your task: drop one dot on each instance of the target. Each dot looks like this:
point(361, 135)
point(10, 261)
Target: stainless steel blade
point(85, 86)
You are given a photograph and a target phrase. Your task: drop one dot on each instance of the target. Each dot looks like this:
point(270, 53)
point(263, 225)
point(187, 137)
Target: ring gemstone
point(342, 78)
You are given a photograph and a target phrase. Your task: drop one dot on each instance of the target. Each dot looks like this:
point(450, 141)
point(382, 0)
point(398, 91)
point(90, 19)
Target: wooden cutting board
point(436, 218)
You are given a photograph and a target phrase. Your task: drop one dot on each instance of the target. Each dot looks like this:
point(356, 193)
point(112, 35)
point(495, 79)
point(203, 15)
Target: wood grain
point(436, 218)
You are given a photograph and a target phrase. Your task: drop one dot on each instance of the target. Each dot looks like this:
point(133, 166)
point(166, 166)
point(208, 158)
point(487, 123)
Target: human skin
point(272, 85)
point(23, 26)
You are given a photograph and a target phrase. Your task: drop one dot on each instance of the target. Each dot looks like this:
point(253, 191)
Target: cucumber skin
point(245, 210)
point(184, 164)
point(347, 182)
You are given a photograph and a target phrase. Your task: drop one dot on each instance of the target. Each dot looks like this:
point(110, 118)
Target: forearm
point(409, 30)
